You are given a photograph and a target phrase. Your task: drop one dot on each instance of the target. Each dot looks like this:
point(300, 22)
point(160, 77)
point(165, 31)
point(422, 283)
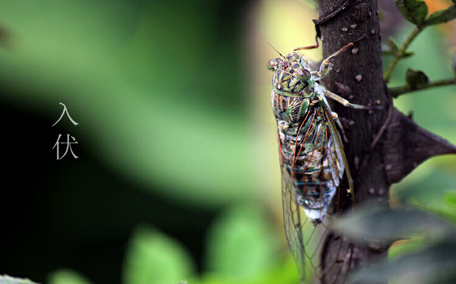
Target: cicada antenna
point(274, 49)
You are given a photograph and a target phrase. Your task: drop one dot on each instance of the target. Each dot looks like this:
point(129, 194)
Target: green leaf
point(441, 16)
point(430, 260)
point(241, 244)
point(152, 257)
point(450, 199)
point(408, 54)
point(434, 264)
point(392, 45)
point(414, 11)
point(67, 276)
point(449, 205)
point(415, 78)
point(5, 279)
point(387, 224)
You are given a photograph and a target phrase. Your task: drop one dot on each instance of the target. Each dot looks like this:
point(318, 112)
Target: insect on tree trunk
point(357, 76)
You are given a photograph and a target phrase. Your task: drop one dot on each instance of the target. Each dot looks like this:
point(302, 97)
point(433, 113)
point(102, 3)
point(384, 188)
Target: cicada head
point(292, 75)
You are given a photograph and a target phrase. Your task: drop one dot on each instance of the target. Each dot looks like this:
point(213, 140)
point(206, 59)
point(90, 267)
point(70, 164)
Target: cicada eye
point(303, 74)
point(272, 64)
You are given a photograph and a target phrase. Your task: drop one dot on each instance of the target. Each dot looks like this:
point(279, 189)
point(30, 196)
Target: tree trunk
point(402, 145)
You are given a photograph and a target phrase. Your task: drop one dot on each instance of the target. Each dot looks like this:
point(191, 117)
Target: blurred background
point(177, 175)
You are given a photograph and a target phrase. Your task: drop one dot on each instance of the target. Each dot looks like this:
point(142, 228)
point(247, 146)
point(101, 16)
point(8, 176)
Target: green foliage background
point(177, 176)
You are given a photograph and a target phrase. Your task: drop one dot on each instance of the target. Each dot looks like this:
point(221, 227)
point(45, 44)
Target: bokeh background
point(177, 175)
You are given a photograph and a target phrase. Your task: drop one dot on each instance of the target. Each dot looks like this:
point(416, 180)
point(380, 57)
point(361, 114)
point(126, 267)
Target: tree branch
point(401, 90)
point(401, 53)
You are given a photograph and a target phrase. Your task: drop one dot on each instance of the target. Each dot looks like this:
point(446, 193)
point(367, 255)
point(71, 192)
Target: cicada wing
point(340, 160)
point(292, 222)
point(307, 238)
point(304, 238)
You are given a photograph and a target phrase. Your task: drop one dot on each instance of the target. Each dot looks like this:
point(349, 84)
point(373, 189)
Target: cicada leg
point(326, 65)
point(308, 47)
point(335, 117)
point(344, 102)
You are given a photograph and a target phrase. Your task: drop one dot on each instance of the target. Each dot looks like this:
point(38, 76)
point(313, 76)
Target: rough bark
point(402, 145)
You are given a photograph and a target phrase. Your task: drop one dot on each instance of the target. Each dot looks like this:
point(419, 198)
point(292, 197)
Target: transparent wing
point(292, 221)
point(308, 239)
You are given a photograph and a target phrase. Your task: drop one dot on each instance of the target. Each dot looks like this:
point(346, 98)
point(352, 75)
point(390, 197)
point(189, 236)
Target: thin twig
point(401, 53)
point(401, 90)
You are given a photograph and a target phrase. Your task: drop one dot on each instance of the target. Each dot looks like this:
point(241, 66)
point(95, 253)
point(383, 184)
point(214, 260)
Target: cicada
point(312, 157)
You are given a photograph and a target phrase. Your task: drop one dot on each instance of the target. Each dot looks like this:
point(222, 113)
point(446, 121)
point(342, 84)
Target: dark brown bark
point(357, 76)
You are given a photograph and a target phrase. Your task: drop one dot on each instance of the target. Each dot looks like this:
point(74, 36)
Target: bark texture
point(401, 144)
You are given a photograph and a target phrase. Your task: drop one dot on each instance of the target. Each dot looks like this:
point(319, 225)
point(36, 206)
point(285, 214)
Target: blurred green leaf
point(415, 11)
point(408, 245)
point(388, 224)
point(241, 245)
point(5, 279)
point(450, 200)
point(152, 257)
point(392, 45)
point(441, 16)
point(415, 78)
point(441, 181)
point(67, 276)
point(428, 261)
point(406, 54)
point(434, 264)
point(449, 206)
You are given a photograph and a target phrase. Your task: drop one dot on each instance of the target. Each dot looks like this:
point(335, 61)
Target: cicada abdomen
point(312, 159)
